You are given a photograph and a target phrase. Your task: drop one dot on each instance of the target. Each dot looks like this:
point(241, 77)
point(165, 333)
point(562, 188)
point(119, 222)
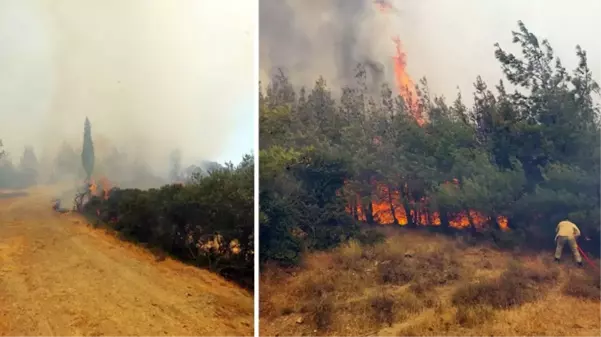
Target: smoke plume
point(448, 42)
point(151, 75)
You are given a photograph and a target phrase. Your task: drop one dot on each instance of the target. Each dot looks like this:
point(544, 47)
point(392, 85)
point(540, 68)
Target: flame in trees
point(404, 82)
point(386, 204)
point(100, 188)
point(387, 207)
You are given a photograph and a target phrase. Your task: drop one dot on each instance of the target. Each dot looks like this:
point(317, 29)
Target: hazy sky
point(448, 41)
point(152, 75)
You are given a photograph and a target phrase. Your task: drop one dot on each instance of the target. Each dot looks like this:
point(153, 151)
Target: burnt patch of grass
point(585, 286)
point(516, 286)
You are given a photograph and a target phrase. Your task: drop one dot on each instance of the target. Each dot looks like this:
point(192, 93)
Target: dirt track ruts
point(59, 276)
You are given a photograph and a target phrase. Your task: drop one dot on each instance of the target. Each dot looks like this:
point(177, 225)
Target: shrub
point(397, 271)
point(209, 221)
point(320, 312)
point(371, 237)
point(349, 255)
point(427, 270)
point(516, 286)
point(383, 309)
point(470, 316)
point(408, 304)
point(584, 286)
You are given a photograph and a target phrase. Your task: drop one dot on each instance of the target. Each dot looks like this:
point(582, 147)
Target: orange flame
point(105, 188)
point(404, 82)
point(387, 208)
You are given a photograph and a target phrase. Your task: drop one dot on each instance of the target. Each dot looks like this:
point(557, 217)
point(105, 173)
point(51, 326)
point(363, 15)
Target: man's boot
point(580, 264)
point(557, 260)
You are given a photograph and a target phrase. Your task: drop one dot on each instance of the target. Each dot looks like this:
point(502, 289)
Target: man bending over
point(567, 231)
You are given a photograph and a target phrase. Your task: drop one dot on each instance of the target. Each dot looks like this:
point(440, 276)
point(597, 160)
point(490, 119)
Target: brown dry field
point(353, 291)
point(60, 276)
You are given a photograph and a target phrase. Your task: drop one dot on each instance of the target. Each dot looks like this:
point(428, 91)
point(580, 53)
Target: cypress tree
point(87, 152)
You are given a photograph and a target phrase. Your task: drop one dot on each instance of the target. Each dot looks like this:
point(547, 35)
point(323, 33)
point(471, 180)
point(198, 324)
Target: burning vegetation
point(204, 217)
point(387, 205)
point(377, 199)
point(506, 168)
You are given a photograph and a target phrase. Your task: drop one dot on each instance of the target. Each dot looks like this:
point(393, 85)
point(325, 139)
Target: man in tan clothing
point(567, 231)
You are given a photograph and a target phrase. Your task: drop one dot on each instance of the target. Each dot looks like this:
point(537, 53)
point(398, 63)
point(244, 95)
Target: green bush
point(208, 221)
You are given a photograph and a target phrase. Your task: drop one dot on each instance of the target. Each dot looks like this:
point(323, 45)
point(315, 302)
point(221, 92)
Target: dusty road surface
point(59, 276)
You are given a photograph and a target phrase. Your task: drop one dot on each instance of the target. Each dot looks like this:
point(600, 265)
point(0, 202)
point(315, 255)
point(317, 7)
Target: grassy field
point(421, 284)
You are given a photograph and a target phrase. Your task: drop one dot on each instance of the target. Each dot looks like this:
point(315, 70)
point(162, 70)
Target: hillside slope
point(59, 276)
point(419, 284)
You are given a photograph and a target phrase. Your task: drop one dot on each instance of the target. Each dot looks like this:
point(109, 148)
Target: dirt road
point(59, 276)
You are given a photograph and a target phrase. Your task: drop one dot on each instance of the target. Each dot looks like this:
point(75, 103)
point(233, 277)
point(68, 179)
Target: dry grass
point(471, 316)
point(383, 309)
point(516, 286)
point(584, 286)
point(427, 285)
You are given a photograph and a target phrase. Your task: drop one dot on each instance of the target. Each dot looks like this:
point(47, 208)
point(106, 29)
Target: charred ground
point(501, 171)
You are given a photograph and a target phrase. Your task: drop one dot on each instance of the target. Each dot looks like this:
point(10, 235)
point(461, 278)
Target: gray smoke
point(448, 42)
point(152, 76)
point(329, 38)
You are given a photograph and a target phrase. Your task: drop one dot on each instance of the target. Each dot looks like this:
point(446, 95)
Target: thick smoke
point(313, 37)
point(151, 75)
point(448, 42)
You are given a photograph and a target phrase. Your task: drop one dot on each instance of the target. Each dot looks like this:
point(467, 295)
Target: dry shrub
point(349, 256)
point(436, 269)
point(318, 285)
point(398, 271)
point(271, 301)
point(586, 286)
point(427, 268)
point(320, 312)
point(408, 304)
point(471, 316)
point(383, 309)
point(516, 286)
point(438, 326)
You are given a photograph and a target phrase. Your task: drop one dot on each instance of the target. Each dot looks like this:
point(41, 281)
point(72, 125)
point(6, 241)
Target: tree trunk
point(392, 209)
point(472, 228)
point(368, 210)
point(444, 219)
point(407, 209)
